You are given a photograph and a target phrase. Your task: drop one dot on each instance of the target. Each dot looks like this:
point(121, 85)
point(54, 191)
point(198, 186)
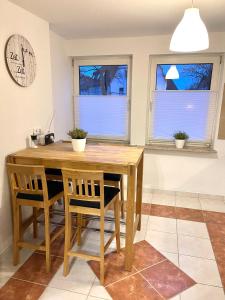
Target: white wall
point(194, 173)
point(21, 109)
point(61, 87)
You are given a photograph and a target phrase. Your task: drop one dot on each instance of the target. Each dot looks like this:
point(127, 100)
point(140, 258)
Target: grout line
point(152, 286)
point(153, 264)
point(194, 236)
point(211, 259)
point(91, 287)
point(47, 286)
point(135, 273)
point(28, 281)
point(212, 285)
point(178, 258)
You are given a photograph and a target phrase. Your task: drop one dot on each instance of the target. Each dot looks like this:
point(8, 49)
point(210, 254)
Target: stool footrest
point(84, 254)
point(31, 246)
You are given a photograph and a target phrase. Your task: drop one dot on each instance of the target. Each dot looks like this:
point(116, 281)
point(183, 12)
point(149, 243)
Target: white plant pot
point(78, 144)
point(179, 144)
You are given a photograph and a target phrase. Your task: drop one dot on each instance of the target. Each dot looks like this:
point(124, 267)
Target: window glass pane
point(189, 111)
point(103, 80)
point(191, 77)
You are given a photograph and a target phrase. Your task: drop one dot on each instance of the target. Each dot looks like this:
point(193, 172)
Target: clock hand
point(22, 51)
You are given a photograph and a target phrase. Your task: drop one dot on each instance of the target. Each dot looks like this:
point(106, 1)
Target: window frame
point(103, 60)
point(215, 59)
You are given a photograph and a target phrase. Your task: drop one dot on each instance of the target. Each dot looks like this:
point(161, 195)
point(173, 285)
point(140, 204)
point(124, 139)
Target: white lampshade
point(191, 33)
point(172, 73)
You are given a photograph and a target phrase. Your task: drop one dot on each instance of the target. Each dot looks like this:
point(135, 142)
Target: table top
point(101, 154)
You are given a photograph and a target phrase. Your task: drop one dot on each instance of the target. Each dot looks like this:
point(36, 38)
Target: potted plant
point(78, 139)
point(180, 138)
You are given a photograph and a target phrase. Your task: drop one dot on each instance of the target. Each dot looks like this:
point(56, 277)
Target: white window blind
point(103, 116)
point(189, 111)
point(101, 102)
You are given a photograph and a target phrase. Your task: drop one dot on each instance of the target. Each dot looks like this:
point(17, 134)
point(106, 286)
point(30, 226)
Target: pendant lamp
point(190, 34)
point(172, 73)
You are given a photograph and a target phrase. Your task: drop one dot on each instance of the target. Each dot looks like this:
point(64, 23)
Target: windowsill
point(106, 141)
point(102, 141)
point(186, 149)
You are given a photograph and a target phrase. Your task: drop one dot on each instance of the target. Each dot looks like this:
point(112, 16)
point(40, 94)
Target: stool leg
point(122, 196)
point(117, 223)
point(47, 239)
point(16, 233)
point(102, 250)
point(67, 245)
point(35, 224)
point(79, 225)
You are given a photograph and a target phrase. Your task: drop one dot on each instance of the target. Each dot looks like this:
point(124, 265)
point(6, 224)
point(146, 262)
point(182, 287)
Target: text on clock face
point(14, 56)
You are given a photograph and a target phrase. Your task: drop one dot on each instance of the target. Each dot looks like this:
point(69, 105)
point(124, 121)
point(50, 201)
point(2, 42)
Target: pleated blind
point(190, 111)
point(103, 116)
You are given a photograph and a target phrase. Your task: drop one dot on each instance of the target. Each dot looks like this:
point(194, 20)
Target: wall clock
point(20, 60)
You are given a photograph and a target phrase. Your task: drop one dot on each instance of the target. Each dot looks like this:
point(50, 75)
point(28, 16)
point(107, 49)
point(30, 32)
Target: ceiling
point(119, 18)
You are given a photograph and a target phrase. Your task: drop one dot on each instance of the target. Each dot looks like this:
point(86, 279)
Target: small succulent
point(77, 133)
point(180, 135)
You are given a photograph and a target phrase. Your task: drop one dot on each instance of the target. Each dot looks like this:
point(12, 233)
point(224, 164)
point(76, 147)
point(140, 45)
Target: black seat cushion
point(54, 188)
point(112, 177)
point(109, 194)
point(51, 171)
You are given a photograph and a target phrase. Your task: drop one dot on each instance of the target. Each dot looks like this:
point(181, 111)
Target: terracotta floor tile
point(134, 287)
point(167, 279)
point(217, 237)
point(114, 267)
point(57, 247)
point(163, 211)
point(145, 255)
point(34, 269)
point(189, 214)
point(214, 217)
point(218, 249)
point(21, 290)
point(216, 232)
point(146, 208)
point(221, 267)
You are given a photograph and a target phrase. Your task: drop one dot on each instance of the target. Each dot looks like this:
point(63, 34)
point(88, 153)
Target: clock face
point(20, 60)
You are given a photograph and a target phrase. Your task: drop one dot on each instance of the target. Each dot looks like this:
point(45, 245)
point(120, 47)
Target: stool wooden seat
point(29, 187)
point(85, 194)
point(116, 180)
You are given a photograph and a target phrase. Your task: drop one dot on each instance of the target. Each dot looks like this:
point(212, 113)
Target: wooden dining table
point(109, 158)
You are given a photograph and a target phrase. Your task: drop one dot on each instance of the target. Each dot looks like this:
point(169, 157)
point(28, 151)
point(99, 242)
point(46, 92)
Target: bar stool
point(116, 180)
point(85, 194)
point(29, 187)
point(110, 179)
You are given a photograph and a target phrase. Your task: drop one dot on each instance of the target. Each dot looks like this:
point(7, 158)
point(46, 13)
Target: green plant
point(180, 135)
point(77, 133)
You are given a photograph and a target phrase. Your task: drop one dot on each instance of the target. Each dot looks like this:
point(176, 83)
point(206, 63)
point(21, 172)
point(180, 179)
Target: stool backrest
point(27, 179)
point(83, 185)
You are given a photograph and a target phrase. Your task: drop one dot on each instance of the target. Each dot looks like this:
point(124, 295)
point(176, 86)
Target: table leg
point(139, 190)
point(129, 251)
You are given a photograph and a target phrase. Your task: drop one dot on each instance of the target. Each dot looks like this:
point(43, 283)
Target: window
point(188, 103)
point(102, 97)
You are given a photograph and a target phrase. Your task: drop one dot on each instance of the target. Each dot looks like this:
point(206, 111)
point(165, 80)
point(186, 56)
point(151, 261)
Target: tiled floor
point(180, 230)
